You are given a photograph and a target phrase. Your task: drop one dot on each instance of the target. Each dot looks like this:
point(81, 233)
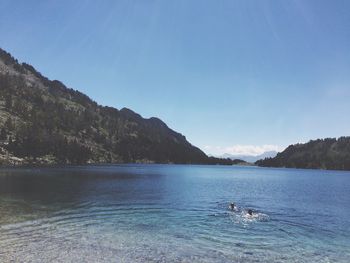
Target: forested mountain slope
point(328, 153)
point(43, 121)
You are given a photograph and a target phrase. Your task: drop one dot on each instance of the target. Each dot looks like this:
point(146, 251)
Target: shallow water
point(173, 213)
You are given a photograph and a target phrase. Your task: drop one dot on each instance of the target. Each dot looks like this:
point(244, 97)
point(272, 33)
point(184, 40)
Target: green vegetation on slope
point(330, 153)
point(42, 121)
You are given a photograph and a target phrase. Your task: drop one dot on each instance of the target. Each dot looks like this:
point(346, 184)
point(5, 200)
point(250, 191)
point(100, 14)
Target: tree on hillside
point(9, 124)
point(8, 101)
point(3, 134)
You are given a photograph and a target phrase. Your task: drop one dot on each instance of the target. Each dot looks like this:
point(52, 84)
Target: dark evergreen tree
point(3, 134)
point(8, 101)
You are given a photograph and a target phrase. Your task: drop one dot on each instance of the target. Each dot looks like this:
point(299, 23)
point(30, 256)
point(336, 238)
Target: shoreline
point(58, 165)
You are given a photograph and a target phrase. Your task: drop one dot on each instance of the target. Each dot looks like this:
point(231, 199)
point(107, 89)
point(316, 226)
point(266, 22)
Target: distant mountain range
point(44, 122)
point(249, 158)
point(330, 153)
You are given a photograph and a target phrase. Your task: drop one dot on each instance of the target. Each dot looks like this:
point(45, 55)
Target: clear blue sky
point(223, 73)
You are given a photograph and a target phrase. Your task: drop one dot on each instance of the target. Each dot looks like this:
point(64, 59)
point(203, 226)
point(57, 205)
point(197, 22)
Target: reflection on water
point(165, 213)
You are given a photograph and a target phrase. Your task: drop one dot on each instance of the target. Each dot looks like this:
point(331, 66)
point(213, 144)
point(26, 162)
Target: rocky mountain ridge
point(43, 121)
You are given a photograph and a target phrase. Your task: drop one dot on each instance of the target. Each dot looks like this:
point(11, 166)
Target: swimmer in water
point(232, 206)
point(250, 212)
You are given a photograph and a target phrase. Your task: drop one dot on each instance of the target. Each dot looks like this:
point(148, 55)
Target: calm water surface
point(169, 213)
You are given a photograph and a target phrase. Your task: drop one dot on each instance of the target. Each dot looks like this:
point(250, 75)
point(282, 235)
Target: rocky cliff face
point(43, 121)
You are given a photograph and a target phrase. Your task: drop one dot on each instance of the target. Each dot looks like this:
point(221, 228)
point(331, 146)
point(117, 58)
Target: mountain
point(250, 158)
point(330, 153)
point(43, 121)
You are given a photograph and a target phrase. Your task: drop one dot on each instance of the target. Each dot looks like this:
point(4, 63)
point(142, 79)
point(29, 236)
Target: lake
point(173, 213)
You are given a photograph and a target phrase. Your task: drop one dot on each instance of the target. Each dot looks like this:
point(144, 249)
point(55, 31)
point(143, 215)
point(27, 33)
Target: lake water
point(173, 213)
